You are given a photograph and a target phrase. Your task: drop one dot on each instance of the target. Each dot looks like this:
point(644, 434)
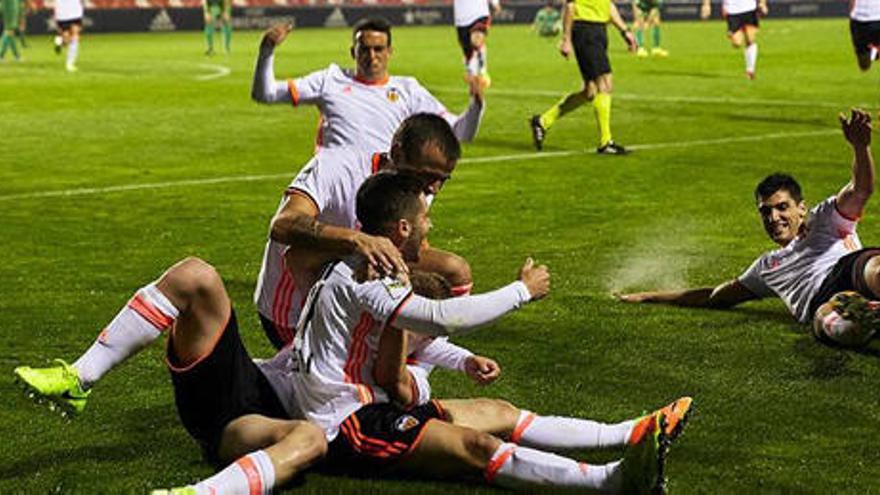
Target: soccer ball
point(847, 319)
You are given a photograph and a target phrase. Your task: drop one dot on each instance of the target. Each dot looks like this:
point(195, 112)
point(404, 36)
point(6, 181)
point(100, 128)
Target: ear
point(404, 228)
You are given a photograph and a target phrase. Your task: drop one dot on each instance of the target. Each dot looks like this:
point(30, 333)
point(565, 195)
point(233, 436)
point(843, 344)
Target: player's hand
point(536, 278)
point(705, 11)
point(630, 40)
point(565, 47)
point(763, 9)
point(482, 370)
point(276, 34)
point(635, 297)
point(475, 88)
point(380, 253)
point(496, 9)
point(856, 129)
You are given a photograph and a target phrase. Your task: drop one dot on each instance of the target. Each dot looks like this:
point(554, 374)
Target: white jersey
point(68, 10)
point(733, 7)
point(795, 272)
point(864, 10)
point(468, 11)
point(327, 373)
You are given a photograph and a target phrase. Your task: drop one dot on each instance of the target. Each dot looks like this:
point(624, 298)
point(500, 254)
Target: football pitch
point(153, 152)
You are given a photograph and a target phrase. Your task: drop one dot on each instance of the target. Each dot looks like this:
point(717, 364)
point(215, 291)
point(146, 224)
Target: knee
point(192, 278)
point(312, 442)
point(502, 410)
point(480, 447)
point(457, 270)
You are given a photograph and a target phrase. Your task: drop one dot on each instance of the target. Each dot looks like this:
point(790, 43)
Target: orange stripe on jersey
point(517, 434)
point(350, 368)
point(255, 485)
point(462, 290)
point(496, 463)
point(377, 159)
point(294, 94)
point(150, 313)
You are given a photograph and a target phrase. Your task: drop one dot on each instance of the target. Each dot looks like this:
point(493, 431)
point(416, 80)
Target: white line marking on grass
point(219, 71)
point(711, 100)
point(484, 159)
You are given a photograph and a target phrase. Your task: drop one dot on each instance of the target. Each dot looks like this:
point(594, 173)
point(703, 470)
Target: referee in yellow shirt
point(584, 30)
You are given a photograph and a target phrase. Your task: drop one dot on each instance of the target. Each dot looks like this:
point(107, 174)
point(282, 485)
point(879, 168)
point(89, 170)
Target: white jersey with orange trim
point(326, 374)
point(68, 10)
point(356, 112)
point(795, 272)
point(733, 7)
point(864, 10)
point(468, 11)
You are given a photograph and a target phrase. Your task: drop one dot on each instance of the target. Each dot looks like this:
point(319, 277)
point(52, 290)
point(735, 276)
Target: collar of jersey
point(380, 82)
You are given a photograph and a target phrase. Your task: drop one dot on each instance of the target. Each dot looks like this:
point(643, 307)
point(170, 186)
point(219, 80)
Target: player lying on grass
point(238, 410)
point(819, 253)
point(317, 213)
point(363, 106)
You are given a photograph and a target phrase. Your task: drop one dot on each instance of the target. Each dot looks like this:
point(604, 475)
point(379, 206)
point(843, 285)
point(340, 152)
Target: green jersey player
point(11, 12)
point(548, 21)
point(218, 10)
point(646, 14)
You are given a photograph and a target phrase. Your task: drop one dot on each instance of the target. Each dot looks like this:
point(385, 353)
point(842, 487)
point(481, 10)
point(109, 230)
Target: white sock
point(144, 318)
point(519, 467)
point(483, 59)
point(248, 475)
point(72, 52)
point(751, 54)
point(556, 433)
point(473, 64)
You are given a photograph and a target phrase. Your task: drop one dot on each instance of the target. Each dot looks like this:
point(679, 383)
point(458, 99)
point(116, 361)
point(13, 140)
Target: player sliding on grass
point(363, 106)
point(238, 410)
point(742, 26)
point(819, 252)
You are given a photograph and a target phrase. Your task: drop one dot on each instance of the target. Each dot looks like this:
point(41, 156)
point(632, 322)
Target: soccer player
point(25, 9)
point(864, 28)
point(217, 12)
point(646, 15)
point(68, 18)
point(584, 31)
point(548, 21)
point(472, 27)
point(363, 106)
point(11, 13)
point(742, 26)
point(819, 255)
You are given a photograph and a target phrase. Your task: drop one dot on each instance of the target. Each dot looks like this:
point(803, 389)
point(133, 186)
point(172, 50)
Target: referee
point(584, 30)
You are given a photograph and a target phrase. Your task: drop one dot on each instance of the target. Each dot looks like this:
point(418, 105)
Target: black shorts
point(373, 439)
point(864, 34)
point(222, 386)
point(738, 22)
point(848, 274)
point(590, 41)
point(65, 25)
point(464, 34)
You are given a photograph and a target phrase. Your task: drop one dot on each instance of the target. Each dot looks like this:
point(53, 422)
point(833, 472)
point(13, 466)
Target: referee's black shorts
point(864, 34)
point(590, 41)
point(220, 387)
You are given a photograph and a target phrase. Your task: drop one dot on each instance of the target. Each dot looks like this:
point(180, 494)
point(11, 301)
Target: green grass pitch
point(777, 412)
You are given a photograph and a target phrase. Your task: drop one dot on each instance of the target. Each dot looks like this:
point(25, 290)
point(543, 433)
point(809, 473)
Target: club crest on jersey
point(397, 287)
point(405, 423)
point(393, 95)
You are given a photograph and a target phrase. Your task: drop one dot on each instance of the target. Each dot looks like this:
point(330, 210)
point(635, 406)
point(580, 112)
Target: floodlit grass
point(777, 411)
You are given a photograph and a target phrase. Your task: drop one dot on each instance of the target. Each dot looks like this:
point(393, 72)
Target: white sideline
point(485, 159)
point(218, 72)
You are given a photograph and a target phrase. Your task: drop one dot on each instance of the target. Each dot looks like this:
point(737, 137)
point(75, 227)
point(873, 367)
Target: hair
point(421, 129)
point(385, 197)
point(378, 24)
point(778, 182)
point(431, 285)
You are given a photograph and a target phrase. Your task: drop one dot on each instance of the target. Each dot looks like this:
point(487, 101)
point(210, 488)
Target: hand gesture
point(565, 47)
point(536, 278)
point(276, 34)
point(856, 129)
point(705, 11)
point(482, 370)
point(630, 40)
point(380, 253)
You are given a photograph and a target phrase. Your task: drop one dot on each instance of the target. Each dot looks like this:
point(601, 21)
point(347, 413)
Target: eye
point(782, 206)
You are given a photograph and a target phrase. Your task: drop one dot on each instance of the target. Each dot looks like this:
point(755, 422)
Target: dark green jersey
point(547, 21)
point(11, 11)
point(648, 5)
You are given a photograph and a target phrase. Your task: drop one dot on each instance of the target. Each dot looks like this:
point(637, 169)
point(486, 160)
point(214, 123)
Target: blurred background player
point(472, 24)
point(68, 18)
point(864, 28)
point(25, 8)
point(742, 26)
point(218, 12)
point(584, 30)
point(646, 15)
point(548, 21)
point(11, 13)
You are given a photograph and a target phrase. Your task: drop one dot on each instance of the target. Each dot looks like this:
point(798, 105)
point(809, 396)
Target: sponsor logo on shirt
point(405, 423)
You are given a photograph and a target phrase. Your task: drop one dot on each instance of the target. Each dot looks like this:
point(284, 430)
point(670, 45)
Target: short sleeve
point(826, 218)
point(308, 89)
point(424, 102)
point(384, 298)
point(310, 182)
point(752, 280)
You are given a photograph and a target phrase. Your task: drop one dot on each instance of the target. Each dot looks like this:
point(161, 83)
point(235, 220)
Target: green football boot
point(644, 460)
point(58, 386)
point(184, 490)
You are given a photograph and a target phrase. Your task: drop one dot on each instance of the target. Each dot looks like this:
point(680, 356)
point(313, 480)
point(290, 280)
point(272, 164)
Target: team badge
point(405, 423)
point(397, 286)
point(392, 95)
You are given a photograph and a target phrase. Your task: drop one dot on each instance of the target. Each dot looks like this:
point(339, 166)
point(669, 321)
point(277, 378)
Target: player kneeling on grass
point(818, 256)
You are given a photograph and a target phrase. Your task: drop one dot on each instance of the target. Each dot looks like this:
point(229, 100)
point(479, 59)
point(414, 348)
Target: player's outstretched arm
point(265, 89)
point(857, 131)
point(466, 125)
point(724, 296)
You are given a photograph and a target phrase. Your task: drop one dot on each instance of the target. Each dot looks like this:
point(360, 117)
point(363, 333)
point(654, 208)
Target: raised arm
point(852, 198)
point(466, 125)
point(265, 89)
point(724, 296)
